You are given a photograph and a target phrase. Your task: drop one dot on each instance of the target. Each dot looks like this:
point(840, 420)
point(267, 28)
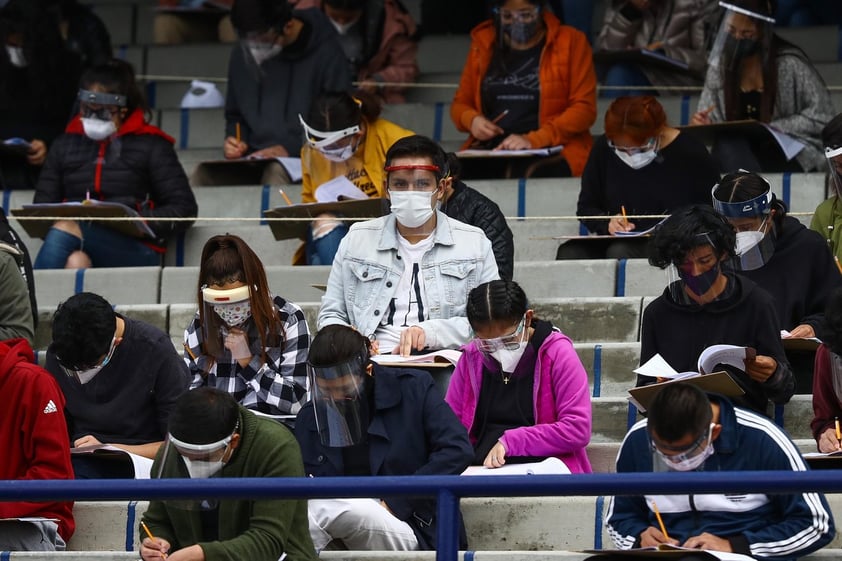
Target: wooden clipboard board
point(357, 209)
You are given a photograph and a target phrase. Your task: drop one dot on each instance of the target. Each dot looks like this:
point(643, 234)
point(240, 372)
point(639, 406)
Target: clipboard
point(81, 210)
point(643, 57)
point(487, 153)
point(716, 382)
point(359, 209)
point(244, 171)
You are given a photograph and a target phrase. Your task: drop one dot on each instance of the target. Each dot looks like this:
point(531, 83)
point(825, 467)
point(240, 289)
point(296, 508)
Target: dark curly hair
point(687, 228)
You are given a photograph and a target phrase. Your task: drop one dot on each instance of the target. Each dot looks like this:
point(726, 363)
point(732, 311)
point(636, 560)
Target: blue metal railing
point(448, 489)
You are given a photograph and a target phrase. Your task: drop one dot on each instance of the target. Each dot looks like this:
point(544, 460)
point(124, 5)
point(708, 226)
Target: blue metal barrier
point(448, 489)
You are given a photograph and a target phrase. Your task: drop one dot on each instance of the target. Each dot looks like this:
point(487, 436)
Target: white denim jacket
point(368, 265)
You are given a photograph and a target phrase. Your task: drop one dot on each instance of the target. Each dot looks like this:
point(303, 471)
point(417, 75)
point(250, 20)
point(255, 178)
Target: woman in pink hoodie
point(520, 388)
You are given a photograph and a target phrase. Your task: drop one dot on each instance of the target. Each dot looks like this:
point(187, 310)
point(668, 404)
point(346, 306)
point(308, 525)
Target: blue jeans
point(104, 246)
point(627, 77)
point(323, 250)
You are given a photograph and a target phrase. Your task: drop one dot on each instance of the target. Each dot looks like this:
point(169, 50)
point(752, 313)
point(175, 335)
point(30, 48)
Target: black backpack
point(9, 237)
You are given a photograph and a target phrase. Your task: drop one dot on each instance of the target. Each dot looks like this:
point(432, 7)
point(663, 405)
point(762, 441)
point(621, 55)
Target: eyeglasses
point(74, 372)
point(509, 342)
point(685, 453)
point(522, 16)
point(632, 150)
point(102, 112)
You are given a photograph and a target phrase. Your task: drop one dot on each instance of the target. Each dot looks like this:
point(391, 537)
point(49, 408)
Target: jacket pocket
point(458, 278)
point(365, 284)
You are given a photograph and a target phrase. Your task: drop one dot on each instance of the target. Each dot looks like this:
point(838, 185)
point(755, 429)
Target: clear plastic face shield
point(506, 349)
point(834, 162)
point(412, 190)
point(85, 375)
point(753, 222)
point(741, 33)
point(223, 309)
point(637, 157)
point(336, 146)
point(98, 112)
point(697, 270)
point(339, 401)
point(685, 458)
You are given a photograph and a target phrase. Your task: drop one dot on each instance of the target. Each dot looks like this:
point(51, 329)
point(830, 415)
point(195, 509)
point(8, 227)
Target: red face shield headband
point(426, 167)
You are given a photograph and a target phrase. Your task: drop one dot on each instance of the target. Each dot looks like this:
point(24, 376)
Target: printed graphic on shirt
point(51, 407)
point(360, 178)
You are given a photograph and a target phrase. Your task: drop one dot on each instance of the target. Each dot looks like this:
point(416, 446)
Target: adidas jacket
point(33, 433)
point(782, 527)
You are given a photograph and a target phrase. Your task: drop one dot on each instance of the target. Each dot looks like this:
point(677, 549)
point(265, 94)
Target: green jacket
point(827, 221)
point(254, 530)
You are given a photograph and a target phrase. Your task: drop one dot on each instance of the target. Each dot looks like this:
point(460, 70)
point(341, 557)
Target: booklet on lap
point(79, 210)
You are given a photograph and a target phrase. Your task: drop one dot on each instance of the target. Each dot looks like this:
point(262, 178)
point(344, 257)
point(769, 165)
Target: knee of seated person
point(78, 260)
point(68, 226)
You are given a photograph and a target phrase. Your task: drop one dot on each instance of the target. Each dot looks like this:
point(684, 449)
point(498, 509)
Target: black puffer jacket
point(138, 168)
point(472, 207)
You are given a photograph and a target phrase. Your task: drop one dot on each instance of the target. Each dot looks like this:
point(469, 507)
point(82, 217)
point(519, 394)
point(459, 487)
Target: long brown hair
point(228, 259)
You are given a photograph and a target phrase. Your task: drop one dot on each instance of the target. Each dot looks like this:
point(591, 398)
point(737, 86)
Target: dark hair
point(640, 117)
point(454, 166)
point(346, 4)
point(677, 410)
point(334, 111)
point(227, 258)
point(203, 416)
point(739, 186)
point(687, 228)
point(117, 77)
point(832, 326)
point(496, 301)
point(83, 327)
point(419, 146)
point(832, 133)
point(336, 343)
point(260, 15)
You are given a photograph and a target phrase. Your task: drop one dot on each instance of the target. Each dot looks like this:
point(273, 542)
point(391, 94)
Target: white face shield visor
point(330, 143)
point(339, 401)
point(741, 33)
point(834, 162)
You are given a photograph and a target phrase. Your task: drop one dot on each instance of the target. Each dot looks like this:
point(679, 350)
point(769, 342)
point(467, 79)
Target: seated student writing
point(827, 380)
point(520, 388)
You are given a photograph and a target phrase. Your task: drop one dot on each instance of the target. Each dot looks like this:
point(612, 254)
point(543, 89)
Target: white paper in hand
point(656, 367)
point(341, 186)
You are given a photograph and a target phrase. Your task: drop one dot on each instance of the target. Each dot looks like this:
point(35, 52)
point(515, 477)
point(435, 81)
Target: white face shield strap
point(745, 12)
point(321, 139)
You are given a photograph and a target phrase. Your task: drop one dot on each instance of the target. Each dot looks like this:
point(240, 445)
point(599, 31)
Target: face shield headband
point(748, 13)
point(340, 406)
point(831, 154)
point(101, 98)
point(758, 206)
point(320, 139)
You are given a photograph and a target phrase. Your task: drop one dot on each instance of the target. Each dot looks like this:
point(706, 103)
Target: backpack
point(14, 246)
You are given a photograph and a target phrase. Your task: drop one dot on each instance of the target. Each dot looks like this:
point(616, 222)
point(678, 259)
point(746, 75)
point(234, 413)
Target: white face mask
point(16, 56)
point(342, 154)
point(98, 129)
point(343, 28)
point(234, 314)
point(261, 52)
point(639, 160)
point(412, 208)
point(202, 469)
point(509, 358)
point(753, 250)
point(681, 462)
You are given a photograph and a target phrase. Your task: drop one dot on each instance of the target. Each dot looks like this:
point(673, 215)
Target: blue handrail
point(448, 489)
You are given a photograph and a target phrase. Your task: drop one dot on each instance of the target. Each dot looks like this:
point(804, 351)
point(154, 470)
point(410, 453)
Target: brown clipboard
point(716, 382)
point(354, 209)
point(78, 211)
point(244, 171)
point(643, 57)
point(750, 128)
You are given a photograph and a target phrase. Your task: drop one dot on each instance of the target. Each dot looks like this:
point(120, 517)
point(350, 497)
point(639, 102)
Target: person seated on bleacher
point(465, 204)
point(38, 77)
point(344, 137)
point(193, 21)
point(33, 436)
point(519, 387)
point(687, 430)
point(285, 59)
point(827, 218)
point(120, 377)
point(403, 279)
point(827, 379)
point(18, 305)
point(83, 32)
point(528, 82)
point(709, 305)
point(366, 419)
point(792, 263)
point(110, 153)
point(211, 436)
point(640, 167)
point(243, 339)
point(379, 39)
point(754, 74)
point(676, 29)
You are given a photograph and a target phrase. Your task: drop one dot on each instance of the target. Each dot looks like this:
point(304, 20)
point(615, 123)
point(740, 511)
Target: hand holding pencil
point(483, 128)
point(620, 223)
point(234, 146)
point(152, 548)
point(702, 117)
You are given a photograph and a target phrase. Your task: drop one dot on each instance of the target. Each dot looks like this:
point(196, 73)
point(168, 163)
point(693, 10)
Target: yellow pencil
point(238, 133)
point(838, 264)
point(623, 210)
point(838, 432)
point(660, 521)
point(284, 195)
point(151, 537)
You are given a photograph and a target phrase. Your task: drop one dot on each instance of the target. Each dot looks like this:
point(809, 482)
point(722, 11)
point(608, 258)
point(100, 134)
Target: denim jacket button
point(320, 459)
point(388, 284)
point(377, 312)
point(365, 275)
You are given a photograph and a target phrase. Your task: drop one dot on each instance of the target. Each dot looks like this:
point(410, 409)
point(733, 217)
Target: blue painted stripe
point(437, 121)
point(151, 93)
point(583, 230)
point(264, 201)
point(5, 555)
point(521, 197)
point(787, 188)
point(779, 415)
point(597, 370)
point(122, 51)
point(130, 524)
point(632, 418)
point(80, 281)
point(469, 556)
point(597, 533)
point(7, 195)
point(179, 250)
point(185, 128)
point(620, 287)
point(685, 109)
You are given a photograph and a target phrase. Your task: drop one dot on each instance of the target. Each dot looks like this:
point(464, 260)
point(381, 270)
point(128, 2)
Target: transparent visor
point(758, 206)
point(509, 342)
point(680, 272)
point(651, 144)
point(181, 459)
point(741, 33)
point(225, 308)
point(834, 162)
point(411, 178)
point(326, 140)
point(681, 459)
point(754, 247)
point(338, 400)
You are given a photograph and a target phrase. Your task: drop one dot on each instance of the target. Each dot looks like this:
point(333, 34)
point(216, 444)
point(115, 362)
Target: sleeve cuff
point(739, 544)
